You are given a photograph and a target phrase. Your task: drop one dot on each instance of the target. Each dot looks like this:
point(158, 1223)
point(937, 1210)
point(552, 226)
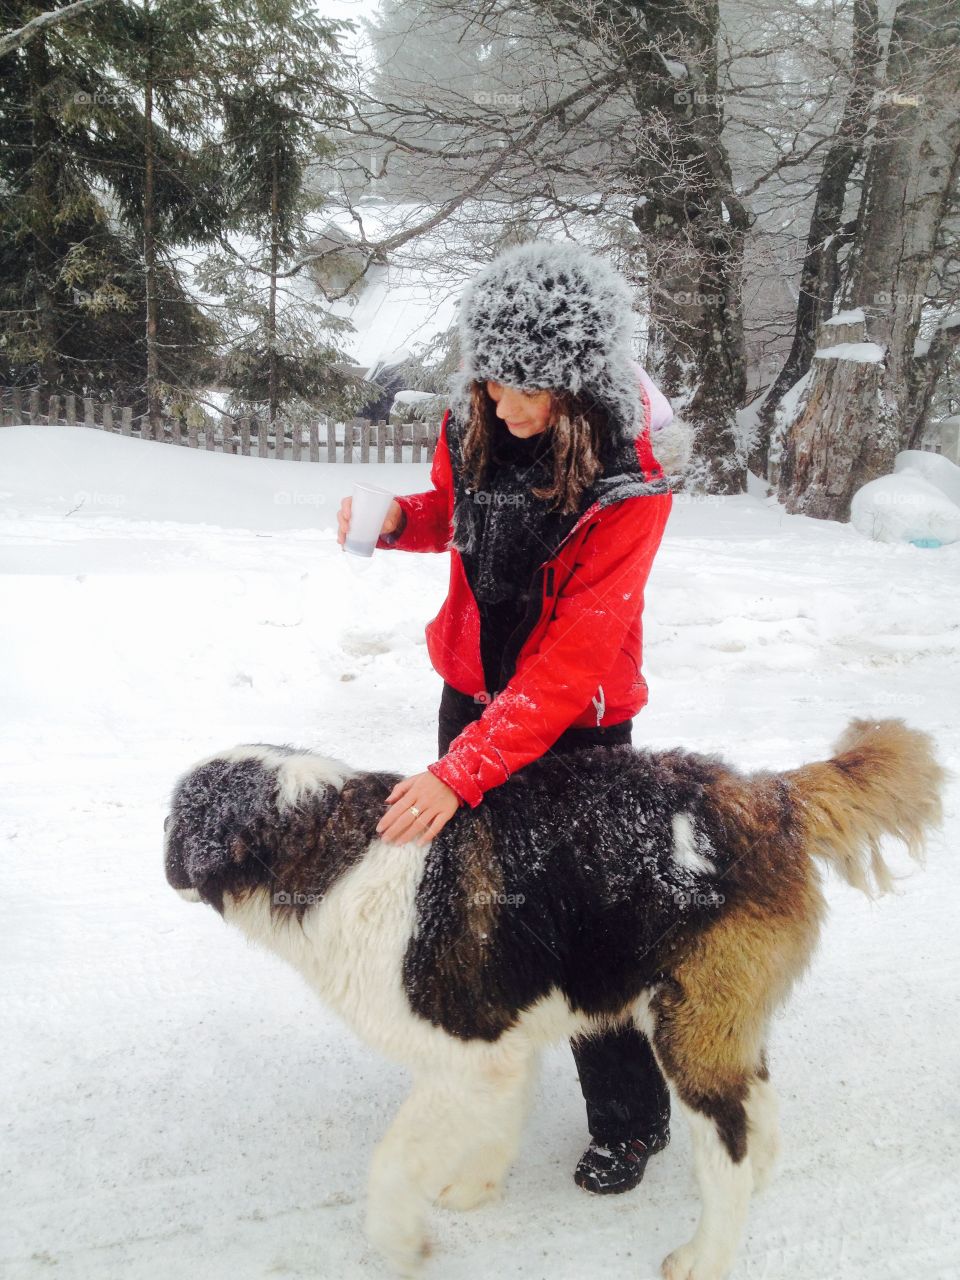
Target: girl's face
point(526, 413)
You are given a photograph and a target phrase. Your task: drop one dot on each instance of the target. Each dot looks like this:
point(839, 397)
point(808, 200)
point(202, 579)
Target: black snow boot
point(613, 1167)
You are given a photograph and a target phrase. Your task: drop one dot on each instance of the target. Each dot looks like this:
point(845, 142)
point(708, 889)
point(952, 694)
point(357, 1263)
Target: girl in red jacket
point(547, 495)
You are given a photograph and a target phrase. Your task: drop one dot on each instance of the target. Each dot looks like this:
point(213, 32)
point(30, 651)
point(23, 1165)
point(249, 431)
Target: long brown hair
point(578, 428)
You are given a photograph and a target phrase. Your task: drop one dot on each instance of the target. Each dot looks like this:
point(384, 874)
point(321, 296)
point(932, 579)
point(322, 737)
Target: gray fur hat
point(550, 315)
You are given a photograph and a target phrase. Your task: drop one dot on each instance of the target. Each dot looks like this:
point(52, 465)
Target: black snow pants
point(625, 1092)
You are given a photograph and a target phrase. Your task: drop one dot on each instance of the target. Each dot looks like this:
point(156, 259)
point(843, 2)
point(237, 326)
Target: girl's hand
point(343, 518)
point(437, 804)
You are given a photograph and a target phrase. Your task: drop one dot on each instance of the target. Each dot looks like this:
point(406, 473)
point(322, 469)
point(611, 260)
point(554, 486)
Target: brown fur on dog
point(713, 1010)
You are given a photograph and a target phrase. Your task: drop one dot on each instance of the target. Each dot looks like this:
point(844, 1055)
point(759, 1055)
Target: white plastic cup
point(368, 511)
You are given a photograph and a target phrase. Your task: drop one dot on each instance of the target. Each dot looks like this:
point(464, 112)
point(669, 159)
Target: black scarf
point(509, 532)
point(504, 533)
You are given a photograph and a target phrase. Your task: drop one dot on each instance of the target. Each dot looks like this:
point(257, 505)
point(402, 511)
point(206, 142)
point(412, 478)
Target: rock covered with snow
point(940, 471)
point(919, 503)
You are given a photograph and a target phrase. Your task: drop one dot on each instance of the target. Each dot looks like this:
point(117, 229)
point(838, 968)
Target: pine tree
point(73, 300)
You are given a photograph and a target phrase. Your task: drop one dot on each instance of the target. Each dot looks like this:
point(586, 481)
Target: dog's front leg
point(418, 1157)
point(452, 1141)
point(396, 1201)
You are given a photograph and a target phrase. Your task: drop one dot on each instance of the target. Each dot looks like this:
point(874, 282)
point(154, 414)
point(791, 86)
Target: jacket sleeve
point(425, 519)
point(557, 679)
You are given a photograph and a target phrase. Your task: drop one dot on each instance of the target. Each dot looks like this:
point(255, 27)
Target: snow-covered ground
point(178, 1103)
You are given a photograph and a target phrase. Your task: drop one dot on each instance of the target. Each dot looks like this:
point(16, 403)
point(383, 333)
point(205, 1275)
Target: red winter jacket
point(580, 664)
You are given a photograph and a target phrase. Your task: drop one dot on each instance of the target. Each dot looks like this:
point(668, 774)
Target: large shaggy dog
point(590, 888)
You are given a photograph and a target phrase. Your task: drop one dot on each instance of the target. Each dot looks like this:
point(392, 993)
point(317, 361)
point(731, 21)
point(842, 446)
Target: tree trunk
point(695, 236)
point(827, 234)
point(925, 372)
point(274, 391)
point(42, 201)
point(150, 250)
point(856, 415)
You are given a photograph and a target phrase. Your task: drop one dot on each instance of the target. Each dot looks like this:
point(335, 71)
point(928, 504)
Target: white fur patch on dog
point(689, 846)
point(299, 773)
point(303, 775)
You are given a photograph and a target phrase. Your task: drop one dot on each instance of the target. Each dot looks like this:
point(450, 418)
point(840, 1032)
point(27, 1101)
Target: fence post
point(261, 428)
point(17, 398)
point(331, 442)
point(245, 437)
point(33, 413)
point(381, 429)
point(89, 412)
point(314, 441)
point(228, 441)
point(108, 415)
point(70, 411)
point(416, 430)
point(193, 434)
point(364, 439)
point(53, 411)
point(397, 442)
point(348, 441)
point(126, 421)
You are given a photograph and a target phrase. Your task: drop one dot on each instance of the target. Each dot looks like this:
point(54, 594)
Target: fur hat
point(550, 315)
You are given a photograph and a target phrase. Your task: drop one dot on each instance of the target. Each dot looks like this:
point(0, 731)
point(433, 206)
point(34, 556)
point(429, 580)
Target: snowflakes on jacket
point(580, 660)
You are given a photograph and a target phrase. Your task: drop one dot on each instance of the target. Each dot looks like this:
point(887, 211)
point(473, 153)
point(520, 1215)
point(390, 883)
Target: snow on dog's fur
point(591, 888)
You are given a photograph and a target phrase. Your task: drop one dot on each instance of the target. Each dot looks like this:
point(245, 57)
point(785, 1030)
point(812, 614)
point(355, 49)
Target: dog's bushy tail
point(883, 779)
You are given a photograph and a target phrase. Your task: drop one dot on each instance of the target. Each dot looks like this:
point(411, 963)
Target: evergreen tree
point(74, 302)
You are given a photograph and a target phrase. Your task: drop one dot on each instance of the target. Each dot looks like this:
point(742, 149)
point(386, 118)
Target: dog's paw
point(468, 1193)
point(403, 1249)
point(690, 1263)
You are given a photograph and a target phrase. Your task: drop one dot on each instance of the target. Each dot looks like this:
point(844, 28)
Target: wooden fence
point(319, 441)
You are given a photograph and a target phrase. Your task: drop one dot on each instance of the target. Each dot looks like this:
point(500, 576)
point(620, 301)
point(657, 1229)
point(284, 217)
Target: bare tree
point(828, 233)
point(860, 406)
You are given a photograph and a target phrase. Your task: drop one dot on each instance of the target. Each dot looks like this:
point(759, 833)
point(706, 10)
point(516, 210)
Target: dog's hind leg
point(725, 1187)
point(705, 1052)
point(452, 1141)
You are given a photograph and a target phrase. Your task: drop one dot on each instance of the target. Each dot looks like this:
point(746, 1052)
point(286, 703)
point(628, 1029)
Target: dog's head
point(241, 820)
